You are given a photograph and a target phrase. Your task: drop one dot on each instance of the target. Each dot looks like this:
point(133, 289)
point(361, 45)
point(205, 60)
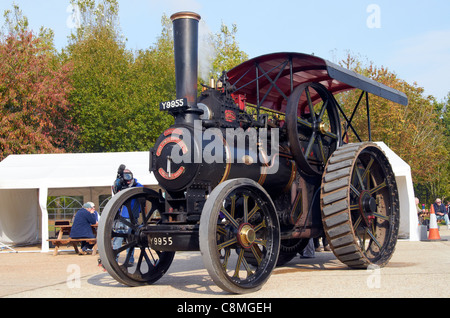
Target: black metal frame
point(282, 65)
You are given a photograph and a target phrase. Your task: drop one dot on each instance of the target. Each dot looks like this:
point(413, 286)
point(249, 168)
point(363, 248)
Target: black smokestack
point(185, 37)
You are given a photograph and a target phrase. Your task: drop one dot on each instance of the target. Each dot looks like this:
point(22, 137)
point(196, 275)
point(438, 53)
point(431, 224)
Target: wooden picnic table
point(65, 230)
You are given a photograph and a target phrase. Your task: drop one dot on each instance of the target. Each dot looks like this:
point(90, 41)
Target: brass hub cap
point(322, 127)
point(246, 235)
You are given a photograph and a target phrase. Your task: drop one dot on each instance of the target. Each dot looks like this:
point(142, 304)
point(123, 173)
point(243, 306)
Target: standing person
point(448, 213)
point(81, 227)
point(125, 180)
point(420, 212)
point(326, 246)
point(441, 212)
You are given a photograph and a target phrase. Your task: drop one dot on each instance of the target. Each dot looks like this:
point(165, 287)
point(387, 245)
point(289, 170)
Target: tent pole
point(43, 194)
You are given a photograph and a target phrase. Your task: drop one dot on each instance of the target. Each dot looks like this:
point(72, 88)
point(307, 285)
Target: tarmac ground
point(416, 270)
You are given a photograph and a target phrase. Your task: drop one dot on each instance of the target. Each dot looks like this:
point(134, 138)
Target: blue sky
point(411, 38)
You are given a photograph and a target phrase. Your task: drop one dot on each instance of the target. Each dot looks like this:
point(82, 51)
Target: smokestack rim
point(185, 15)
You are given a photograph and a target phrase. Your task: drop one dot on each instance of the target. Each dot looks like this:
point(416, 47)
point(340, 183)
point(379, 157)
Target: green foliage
point(116, 93)
point(226, 50)
point(416, 132)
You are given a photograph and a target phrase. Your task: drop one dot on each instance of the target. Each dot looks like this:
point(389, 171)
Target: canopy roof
point(268, 80)
point(71, 170)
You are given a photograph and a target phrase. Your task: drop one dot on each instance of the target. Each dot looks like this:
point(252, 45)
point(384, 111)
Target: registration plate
point(173, 104)
point(161, 241)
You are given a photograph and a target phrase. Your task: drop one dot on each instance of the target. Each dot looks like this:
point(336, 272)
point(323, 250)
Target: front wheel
point(122, 244)
point(239, 236)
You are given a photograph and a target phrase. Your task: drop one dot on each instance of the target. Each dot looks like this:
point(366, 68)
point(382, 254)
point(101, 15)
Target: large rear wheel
point(360, 205)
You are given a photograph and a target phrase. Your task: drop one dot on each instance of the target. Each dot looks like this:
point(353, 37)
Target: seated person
point(441, 212)
point(81, 227)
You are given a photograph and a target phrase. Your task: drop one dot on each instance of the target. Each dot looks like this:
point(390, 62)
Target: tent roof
point(71, 170)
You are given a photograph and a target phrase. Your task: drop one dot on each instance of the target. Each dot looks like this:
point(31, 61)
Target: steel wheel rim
point(243, 239)
point(369, 186)
point(149, 265)
point(360, 205)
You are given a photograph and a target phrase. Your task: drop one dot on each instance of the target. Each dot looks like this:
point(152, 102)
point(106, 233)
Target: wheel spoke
point(304, 122)
point(367, 171)
point(356, 191)
point(226, 258)
point(322, 111)
point(381, 216)
point(331, 135)
point(229, 217)
point(360, 180)
point(238, 263)
point(373, 238)
point(378, 187)
point(227, 243)
point(233, 205)
point(124, 247)
point(321, 149)
point(261, 242)
point(152, 210)
point(310, 144)
point(221, 230)
point(310, 104)
point(127, 223)
point(260, 226)
point(130, 213)
point(357, 222)
point(255, 209)
point(245, 208)
point(130, 252)
point(118, 234)
point(257, 254)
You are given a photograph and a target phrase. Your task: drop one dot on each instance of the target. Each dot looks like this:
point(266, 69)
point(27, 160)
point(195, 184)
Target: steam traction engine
point(251, 170)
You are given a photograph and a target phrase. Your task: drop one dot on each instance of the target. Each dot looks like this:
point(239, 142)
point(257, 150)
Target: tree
point(414, 132)
point(34, 109)
point(117, 92)
point(226, 50)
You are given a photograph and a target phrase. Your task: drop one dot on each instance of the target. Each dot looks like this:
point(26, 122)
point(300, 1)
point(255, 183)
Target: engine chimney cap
point(185, 15)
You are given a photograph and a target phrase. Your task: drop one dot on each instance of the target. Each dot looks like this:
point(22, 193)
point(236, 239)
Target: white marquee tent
point(409, 222)
point(27, 180)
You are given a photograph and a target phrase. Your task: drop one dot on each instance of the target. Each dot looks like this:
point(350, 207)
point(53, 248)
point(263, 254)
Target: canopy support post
point(43, 194)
